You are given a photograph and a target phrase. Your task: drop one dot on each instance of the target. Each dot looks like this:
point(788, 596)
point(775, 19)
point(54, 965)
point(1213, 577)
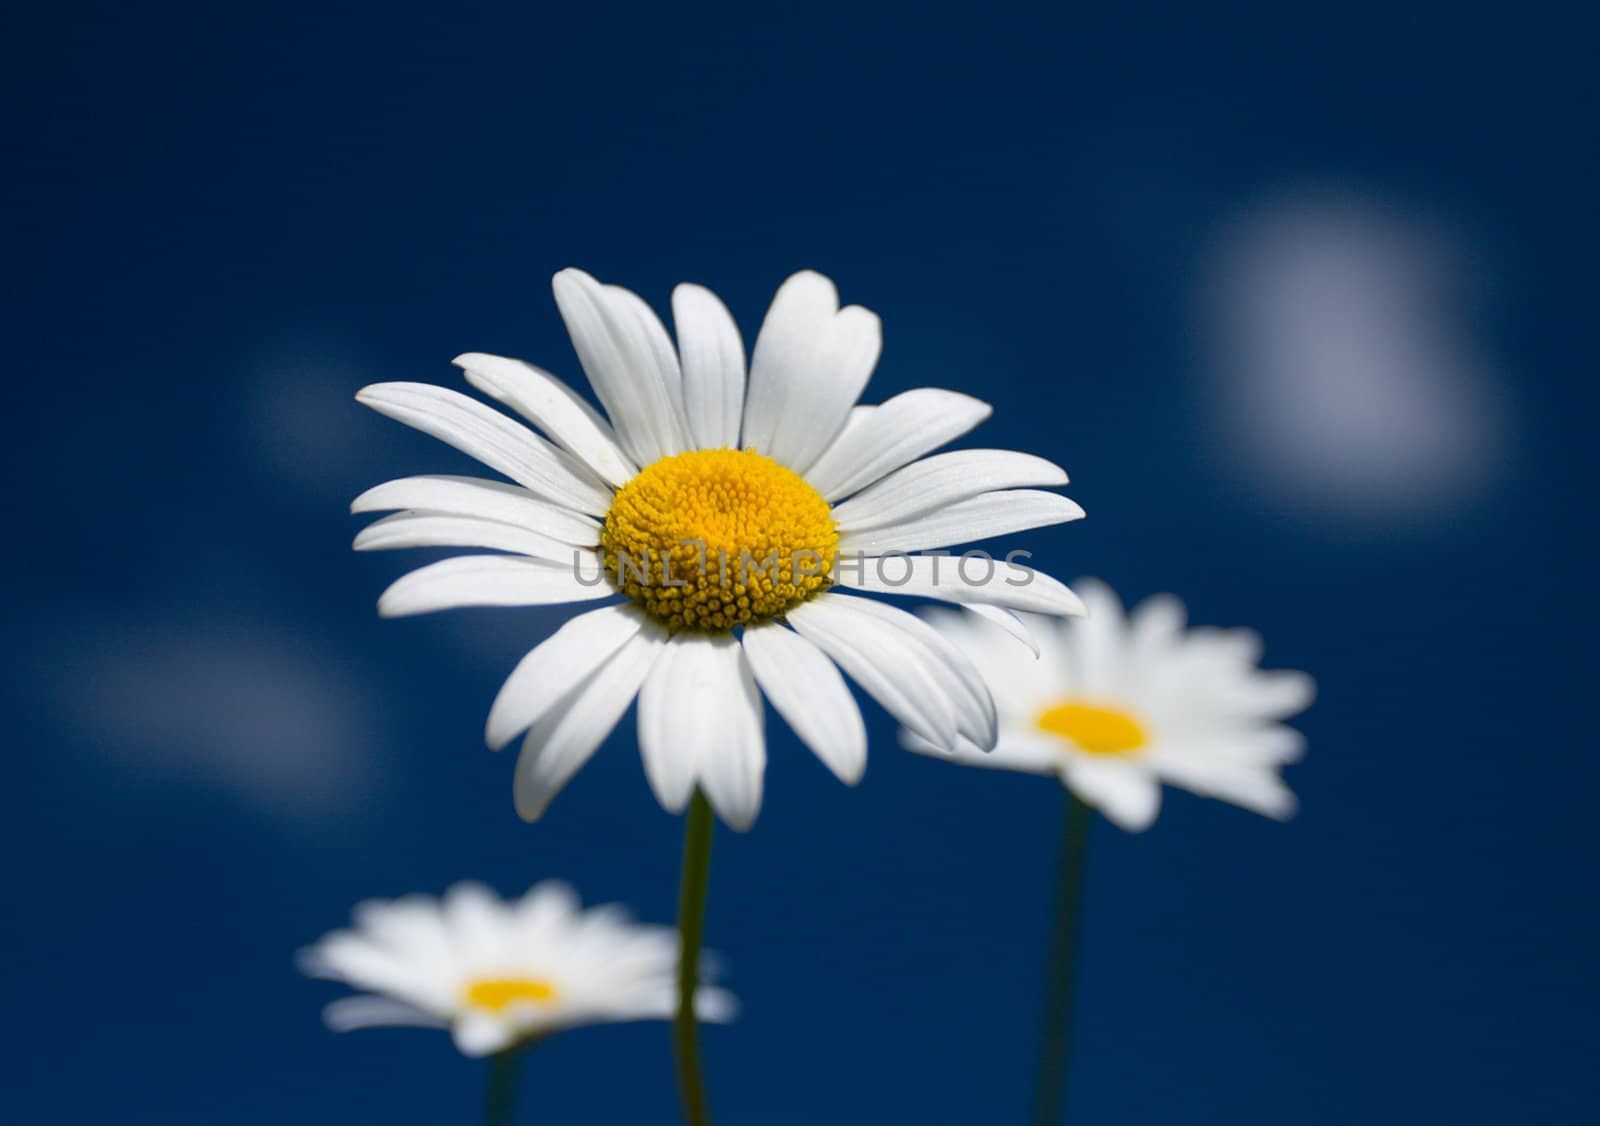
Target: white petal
point(1031, 751)
point(1255, 788)
point(1029, 754)
point(620, 350)
point(733, 758)
point(1215, 671)
point(431, 529)
point(1280, 693)
point(807, 690)
point(1260, 793)
point(486, 500)
point(478, 1034)
point(1023, 684)
point(357, 960)
point(885, 661)
point(1097, 646)
point(1227, 646)
point(548, 904)
point(985, 580)
point(859, 416)
point(811, 361)
point(712, 355)
point(663, 355)
point(487, 580)
point(975, 710)
point(979, 518)
point(785, 351)
point(1007, 621)
point(556, 665)
point(376, 1012)
point(895, 432)
point(555, 408)
point(1273, 745)
point(1123, 791)
point(1155, 629)
point(476, 918)
point(943, 479)
point(669, 767)
point(818, 410)
point(411, 925)
point(699, 721)
point(503, 445)
point(565, 737)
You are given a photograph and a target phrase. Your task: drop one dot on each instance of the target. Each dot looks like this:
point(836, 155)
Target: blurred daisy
point(715, 503)
point(500, 973)
point(1116, 704)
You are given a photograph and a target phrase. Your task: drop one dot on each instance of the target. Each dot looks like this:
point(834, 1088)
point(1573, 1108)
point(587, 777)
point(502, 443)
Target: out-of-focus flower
point(1116, 704)
point(713, 506)
point(497, 973)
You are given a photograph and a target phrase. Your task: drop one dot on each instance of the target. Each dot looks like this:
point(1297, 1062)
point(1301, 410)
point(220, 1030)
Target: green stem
point(1055, 1032)
point(698, 826)
point(502, 1091)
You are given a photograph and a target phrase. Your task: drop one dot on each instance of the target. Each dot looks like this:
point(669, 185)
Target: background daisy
point(1115, 704)
point(497, 973)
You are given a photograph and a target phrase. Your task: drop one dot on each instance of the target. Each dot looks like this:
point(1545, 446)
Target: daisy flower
point(1115, 704)
point(498, 974)
point(728, 512)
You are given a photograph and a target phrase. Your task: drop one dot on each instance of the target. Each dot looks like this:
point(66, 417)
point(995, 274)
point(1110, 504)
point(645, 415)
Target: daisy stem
point(1055, 1031)
point(698, 826)
point(502, 1086)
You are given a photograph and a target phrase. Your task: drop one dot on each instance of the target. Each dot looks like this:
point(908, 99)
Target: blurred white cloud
point(1348, 378)
point(273, 719)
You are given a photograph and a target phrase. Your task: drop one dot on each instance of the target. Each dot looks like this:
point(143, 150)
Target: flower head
point(1116, 704)
point(713, 502)
point(497, 973)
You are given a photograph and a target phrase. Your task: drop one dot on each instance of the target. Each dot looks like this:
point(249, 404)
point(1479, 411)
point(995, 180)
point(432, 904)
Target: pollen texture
point(712, 539)
point(1097, 730)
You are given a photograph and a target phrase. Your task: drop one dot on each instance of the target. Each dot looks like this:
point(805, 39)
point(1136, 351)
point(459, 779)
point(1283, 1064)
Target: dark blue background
point(227, 218)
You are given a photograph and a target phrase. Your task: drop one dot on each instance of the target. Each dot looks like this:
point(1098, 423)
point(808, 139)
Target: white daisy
point(499, 973)
point(714, 503)
point(1117, 704)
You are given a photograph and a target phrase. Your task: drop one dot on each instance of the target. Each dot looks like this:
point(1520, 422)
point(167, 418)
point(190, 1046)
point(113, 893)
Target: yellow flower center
point(498, 994)
point(1097, 730)
point(712, 539)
